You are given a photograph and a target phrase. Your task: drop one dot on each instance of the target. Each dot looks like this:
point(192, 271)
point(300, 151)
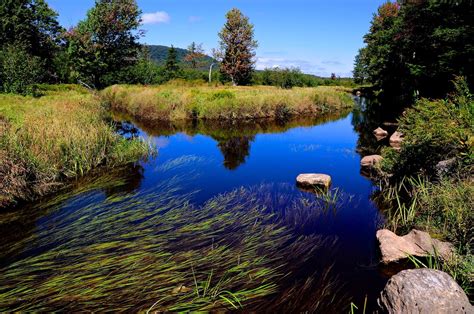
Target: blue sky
point(318, 36)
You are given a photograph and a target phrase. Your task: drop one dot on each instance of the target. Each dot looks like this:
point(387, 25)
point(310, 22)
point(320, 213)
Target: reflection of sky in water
point(214, 164)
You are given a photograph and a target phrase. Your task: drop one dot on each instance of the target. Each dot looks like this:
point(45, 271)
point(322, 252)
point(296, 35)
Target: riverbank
point(431, 187)
point(177, 101)
point(57, 137)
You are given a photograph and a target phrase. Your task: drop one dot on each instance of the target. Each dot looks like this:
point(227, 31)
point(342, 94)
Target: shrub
point(19, 71)
point(434, 130)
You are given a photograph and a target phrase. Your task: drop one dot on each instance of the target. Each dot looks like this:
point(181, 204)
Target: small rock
point(181, 289)
point(310, 180)
point(370, 161)
point(416, 243)
point(445, 166)
point(423, 291)
point(380, 133)
point(396, 140)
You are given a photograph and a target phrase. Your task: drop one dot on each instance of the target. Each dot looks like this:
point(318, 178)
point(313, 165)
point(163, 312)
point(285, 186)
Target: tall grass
point(444, 209)
point(156, 252)
point(174, 101)
point(61, 135)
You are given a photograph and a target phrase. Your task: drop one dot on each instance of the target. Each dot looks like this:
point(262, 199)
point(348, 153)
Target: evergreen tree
point(237, 48)
point(195, 55)
point(172, 68)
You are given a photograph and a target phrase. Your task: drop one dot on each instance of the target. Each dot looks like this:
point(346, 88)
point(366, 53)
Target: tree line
point(415, 48)
point(104, 49)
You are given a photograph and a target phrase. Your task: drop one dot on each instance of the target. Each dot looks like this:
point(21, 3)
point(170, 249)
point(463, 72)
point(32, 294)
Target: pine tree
point(237, 48)
point(172, 68)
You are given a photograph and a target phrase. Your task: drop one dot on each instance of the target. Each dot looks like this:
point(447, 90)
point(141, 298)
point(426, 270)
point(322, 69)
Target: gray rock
point(380, 133)
point(423, 291)
point(310, 180)
point(416, 243)
point(444, 167)
point(396, 140)
point(370, 161)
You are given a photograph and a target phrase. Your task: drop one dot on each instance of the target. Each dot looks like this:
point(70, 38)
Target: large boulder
point(444, 167)
point(380, 133)
point(396, 140)
point(423, 291)
point(416, 243)
point(311, 180)
point(370, 161)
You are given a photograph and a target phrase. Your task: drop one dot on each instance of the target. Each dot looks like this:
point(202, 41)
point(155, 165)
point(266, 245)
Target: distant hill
point(159, 53)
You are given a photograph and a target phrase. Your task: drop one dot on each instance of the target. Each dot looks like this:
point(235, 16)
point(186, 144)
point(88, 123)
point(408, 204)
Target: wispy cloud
point(156, 18)
point(194, 19)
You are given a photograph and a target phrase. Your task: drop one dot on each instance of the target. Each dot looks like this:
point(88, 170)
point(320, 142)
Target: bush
point(434, 131)
point(19, 71)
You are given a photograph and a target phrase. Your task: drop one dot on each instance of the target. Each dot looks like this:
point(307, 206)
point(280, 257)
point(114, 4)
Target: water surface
point(323, 256)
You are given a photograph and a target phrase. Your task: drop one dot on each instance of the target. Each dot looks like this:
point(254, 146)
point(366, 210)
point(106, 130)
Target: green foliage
point(105, 42)
point(19, 70)
point(31, 27)
point(172, 68)
point(237, 48)
point(435, 130)
point(416, 47)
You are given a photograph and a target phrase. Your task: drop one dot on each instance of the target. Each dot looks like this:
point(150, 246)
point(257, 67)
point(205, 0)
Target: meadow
point(62, 135)
point(180, 100)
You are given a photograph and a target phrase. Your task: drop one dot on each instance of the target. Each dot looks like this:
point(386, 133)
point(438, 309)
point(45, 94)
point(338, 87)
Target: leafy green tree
point(106, 41)
point(415, 48)
point(31, 26)
point(172, 68)
point(19, 70)
point(360, 72)
point(237, 48)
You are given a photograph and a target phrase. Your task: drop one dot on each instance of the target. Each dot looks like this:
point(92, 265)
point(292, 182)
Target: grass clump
point(61, 135)
point(172, 101)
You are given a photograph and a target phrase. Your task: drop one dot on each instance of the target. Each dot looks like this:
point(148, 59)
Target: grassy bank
point(178, 101)
point(424, 196)
point(47, 140)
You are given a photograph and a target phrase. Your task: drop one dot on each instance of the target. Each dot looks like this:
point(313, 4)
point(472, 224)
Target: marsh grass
point(155, 251)
point(48, 140)
point(172, 102)
point(444, 209)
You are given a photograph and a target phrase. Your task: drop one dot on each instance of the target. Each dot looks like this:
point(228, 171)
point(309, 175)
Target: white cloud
point(156, 18)
point(323, 68)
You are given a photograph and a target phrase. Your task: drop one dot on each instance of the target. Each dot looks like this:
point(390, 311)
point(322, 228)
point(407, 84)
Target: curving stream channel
point(214, 221)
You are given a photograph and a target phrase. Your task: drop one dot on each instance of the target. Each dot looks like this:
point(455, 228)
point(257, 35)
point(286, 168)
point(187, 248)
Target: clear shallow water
point(207, 160)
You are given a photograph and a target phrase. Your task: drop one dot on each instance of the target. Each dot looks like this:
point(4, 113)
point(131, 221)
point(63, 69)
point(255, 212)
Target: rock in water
point(380, 133)
point(370, 161)
point(310, 180)
point(423, 291)
point(416, 243)
point(396, 140)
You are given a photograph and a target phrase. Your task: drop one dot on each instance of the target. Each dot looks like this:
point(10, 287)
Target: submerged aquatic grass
point(156, 251)
point(172, 102)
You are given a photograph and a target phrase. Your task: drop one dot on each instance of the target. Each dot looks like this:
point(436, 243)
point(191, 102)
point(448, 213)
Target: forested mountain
point(158, 53)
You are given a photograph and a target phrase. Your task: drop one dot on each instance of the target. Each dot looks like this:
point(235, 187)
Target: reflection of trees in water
point(235, 150)
point(366, 117)
point(234, 137)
